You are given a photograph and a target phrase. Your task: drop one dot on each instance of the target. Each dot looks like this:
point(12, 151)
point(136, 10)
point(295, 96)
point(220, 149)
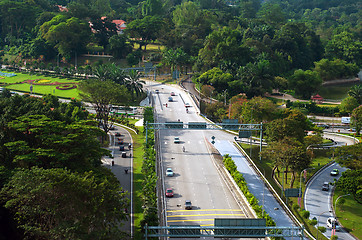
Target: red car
point(169, 192)
point(173, 94)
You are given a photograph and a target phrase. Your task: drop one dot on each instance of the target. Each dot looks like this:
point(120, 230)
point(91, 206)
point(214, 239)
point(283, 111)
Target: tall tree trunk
point(292, 179)
point(286, 174)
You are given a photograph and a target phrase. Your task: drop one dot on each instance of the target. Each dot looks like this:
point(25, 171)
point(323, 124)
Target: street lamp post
point(300, 186)
point(318, 221)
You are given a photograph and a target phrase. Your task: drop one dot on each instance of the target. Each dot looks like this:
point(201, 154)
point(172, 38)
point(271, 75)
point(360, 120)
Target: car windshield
point(169, 190)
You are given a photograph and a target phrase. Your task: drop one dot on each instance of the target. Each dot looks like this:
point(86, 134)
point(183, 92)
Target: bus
point(124, 110)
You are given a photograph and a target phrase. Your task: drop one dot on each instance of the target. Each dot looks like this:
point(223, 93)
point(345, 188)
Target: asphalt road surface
point(196, 177)
point(318, 202)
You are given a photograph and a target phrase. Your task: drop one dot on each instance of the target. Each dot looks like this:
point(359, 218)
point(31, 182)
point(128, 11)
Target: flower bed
point(66, 87)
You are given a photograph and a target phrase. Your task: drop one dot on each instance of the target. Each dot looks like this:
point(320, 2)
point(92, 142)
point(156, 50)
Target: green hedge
point(240, 181)
point(150, 177)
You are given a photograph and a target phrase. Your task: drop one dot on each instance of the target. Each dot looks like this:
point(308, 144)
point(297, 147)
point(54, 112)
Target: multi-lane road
point(195, 176)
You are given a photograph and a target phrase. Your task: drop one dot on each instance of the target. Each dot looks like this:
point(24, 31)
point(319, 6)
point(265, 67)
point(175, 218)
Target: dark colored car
point(169, 192)
point(121, 148)
point(325, 186)
point(170, 99)
point(188, 205)
point(117, 134)
point(124, 154)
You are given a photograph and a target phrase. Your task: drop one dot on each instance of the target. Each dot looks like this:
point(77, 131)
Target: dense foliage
point(52, 184)
point(247, 45)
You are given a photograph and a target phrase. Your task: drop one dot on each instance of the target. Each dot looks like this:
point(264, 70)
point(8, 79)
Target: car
point(169, 172)
point(157, 91)
point(170, 99)
point(187, 105)
point(325, 186)
point(121, 148)
point(332, 223)
point(124, 154)
point(112, 128)
point(188, 205)
point(117, 134)
point(324, 126)
point(334, 172)
point(169, 192)
point(176, 140)
point(173, 94)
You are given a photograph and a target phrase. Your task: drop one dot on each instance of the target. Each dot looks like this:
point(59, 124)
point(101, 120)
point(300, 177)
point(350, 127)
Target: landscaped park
point(38, 84)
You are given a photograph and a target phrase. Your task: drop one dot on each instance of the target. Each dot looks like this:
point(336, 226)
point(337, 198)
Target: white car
point(332, 223)
point(169, 172)
point(176, 140)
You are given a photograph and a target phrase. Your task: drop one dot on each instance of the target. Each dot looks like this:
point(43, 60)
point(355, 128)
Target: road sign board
point(174, 125)
point(291, 192)
point(181, 231)
point(197, 125)
point(244, 134)
point(237, 222)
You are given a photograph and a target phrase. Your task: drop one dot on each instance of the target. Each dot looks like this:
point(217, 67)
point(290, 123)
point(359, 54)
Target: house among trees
point(120, 25)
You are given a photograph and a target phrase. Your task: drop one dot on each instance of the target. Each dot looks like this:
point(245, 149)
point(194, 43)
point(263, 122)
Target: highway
point(195, 174)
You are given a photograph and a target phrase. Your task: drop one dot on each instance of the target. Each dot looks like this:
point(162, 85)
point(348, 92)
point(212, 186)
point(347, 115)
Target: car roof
point(326, 183)
point(169, 169)
point(187, 201)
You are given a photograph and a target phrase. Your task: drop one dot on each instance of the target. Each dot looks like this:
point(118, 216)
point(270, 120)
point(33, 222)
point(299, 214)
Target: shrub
point(305, 214)
point(322, 229)
point(334, 237)
point(296, 206)
point(313, 222)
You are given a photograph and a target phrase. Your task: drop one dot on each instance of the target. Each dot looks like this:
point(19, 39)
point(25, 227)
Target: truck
point(346, 120)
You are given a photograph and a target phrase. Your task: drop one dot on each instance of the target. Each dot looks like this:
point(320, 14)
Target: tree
point(217, 78)
point(36, 140)
point(145, 29)
point(305, 83)
point(356, 92)
point(348, 104)
point(272, 14)
point(119, 46)
point(351, 183)
point(58, 204)
point(279, 129)
point(223, 46)
point(336, 69)
point(17, 18)
point(102, 94)
point(152, 8)
point(133, 83)
point(286, 153)
point(67, 35)
point(256, 77)
point(345, 46)
point(349, 156)
point(103, 29)
point(257, 110)
point(356, 119)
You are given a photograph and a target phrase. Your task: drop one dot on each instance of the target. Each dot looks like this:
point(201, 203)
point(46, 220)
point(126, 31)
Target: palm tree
point(133, 82)
point(117, 75)
point(102, 72)
point(356, 92)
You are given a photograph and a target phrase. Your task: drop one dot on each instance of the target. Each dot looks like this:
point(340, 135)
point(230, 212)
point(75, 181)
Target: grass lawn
point(41, 89)
point(138, 153)
point(349, 213)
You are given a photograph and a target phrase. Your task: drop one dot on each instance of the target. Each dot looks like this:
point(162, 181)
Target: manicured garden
point(38, 84)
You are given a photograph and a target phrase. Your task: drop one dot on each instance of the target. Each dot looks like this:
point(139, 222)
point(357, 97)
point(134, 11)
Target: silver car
point(169, 172)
